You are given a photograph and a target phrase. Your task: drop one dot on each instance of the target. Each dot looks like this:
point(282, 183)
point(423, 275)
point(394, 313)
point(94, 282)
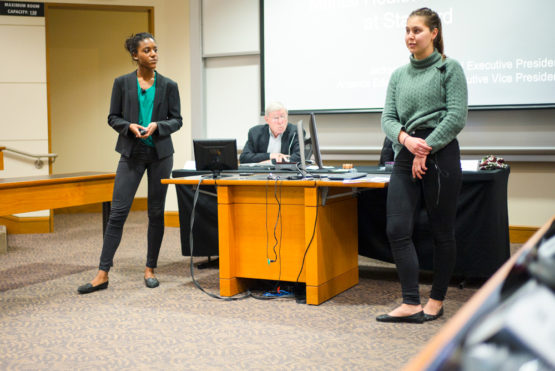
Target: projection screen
point(337, 55)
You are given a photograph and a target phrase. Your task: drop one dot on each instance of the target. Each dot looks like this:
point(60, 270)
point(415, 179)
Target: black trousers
point(128, 176)
point(437, 191)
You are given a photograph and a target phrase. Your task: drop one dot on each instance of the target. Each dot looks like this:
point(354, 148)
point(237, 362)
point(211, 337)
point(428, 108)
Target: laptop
point(256, 166)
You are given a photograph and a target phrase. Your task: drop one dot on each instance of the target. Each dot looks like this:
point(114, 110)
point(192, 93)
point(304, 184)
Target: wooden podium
point(317, 227)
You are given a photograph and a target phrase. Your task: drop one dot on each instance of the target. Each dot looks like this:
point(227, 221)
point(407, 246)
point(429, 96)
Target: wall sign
point(25, 9)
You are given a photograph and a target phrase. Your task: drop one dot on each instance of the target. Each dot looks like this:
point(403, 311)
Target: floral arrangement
point(492, 162)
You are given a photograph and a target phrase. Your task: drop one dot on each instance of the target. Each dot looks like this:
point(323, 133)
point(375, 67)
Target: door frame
point(47, 6)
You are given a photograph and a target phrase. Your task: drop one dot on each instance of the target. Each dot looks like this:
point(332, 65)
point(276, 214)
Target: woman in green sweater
point(425, 109)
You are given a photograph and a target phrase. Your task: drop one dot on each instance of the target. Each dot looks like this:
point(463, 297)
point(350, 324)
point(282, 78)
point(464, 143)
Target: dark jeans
point(128, 176)
point(438, 191)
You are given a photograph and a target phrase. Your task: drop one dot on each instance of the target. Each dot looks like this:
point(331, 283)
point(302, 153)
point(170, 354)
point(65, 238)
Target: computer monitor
point(215, 155)
point(315, 144)
point(302, 163)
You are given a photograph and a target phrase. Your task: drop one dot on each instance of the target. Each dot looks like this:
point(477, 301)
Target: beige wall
point(24, 122)
point(531, 193)
point(23, 94)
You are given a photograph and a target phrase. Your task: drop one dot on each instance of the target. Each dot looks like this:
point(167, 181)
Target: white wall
point(230, 48)
point(230, 65)
point(24, 122)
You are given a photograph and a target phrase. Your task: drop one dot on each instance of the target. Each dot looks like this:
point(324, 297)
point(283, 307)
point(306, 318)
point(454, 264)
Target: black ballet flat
point(413, 318)
point(152, 282)
point(433, 317)
point(88, 288)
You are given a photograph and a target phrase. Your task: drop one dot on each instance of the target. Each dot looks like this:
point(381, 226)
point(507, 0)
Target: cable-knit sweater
point(427, 93)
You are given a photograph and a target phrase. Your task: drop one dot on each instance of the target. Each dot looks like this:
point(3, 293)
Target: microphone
point(291, 143)
point(442, 68)
point(143, 91)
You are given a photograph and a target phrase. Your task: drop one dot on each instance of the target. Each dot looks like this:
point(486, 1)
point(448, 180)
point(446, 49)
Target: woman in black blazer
point(145, 111)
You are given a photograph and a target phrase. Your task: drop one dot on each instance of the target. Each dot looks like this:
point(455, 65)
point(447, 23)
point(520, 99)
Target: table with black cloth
point(205, 228)
point(482, 226)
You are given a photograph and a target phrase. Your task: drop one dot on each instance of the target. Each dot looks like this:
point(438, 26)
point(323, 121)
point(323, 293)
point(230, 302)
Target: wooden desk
point(482, 225)
point(20, 195)
point(445, 341)
point(247, 214)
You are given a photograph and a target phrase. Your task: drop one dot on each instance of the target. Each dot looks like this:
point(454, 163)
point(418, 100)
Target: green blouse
point(146, 103)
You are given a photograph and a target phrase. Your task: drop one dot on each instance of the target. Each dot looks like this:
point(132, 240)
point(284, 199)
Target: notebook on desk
point(345, 176)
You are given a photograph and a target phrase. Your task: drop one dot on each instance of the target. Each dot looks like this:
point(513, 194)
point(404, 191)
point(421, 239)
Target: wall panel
point(23, 64)
point(23, 107)
point(224, 33)
point(226, 115)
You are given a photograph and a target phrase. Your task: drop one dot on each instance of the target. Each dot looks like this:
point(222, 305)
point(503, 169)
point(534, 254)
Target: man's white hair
point(274, 106)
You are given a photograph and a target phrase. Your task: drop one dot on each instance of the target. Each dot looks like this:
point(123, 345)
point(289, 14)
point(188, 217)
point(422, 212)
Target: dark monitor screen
point(215, 154)
point(315, 144)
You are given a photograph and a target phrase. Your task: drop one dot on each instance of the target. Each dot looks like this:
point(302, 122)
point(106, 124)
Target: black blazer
point(257, 144)
point(124, 110)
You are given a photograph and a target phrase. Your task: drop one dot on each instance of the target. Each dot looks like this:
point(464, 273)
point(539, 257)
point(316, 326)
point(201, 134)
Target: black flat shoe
point(88, 288)
point(414, 318)
point(152, 282)
point(432, 317)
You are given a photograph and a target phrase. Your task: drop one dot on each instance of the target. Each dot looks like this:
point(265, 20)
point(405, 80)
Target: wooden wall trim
point(17, 225)
point(171, 219)
point(26, 225)
point(2, 158)
point(521, 234)
point(139, 204)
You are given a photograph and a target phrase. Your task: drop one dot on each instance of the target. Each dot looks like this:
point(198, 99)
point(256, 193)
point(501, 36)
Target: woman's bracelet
point(404, 140)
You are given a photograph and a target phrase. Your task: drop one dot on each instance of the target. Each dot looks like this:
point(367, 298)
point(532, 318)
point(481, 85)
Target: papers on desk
point(316, 167)
point(190, 165)
point(470, 165)
point(369, 178)
point(379, 179)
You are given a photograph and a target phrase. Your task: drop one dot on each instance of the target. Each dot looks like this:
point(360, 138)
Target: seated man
point(278, 140)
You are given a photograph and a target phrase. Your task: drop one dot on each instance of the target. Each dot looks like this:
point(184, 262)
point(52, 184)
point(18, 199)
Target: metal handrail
point(38, 162)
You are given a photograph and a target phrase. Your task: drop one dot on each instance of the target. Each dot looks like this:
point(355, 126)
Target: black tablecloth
point(482, 227)
point(205, 228)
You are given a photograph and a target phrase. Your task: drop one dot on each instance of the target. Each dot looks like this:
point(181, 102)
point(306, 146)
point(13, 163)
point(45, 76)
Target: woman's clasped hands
point(420, 149)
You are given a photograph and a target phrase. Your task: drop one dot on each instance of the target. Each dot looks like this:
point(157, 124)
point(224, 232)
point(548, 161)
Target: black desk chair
point(387, 154)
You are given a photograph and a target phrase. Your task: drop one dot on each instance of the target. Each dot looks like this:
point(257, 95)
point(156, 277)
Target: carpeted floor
point(46, 325)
